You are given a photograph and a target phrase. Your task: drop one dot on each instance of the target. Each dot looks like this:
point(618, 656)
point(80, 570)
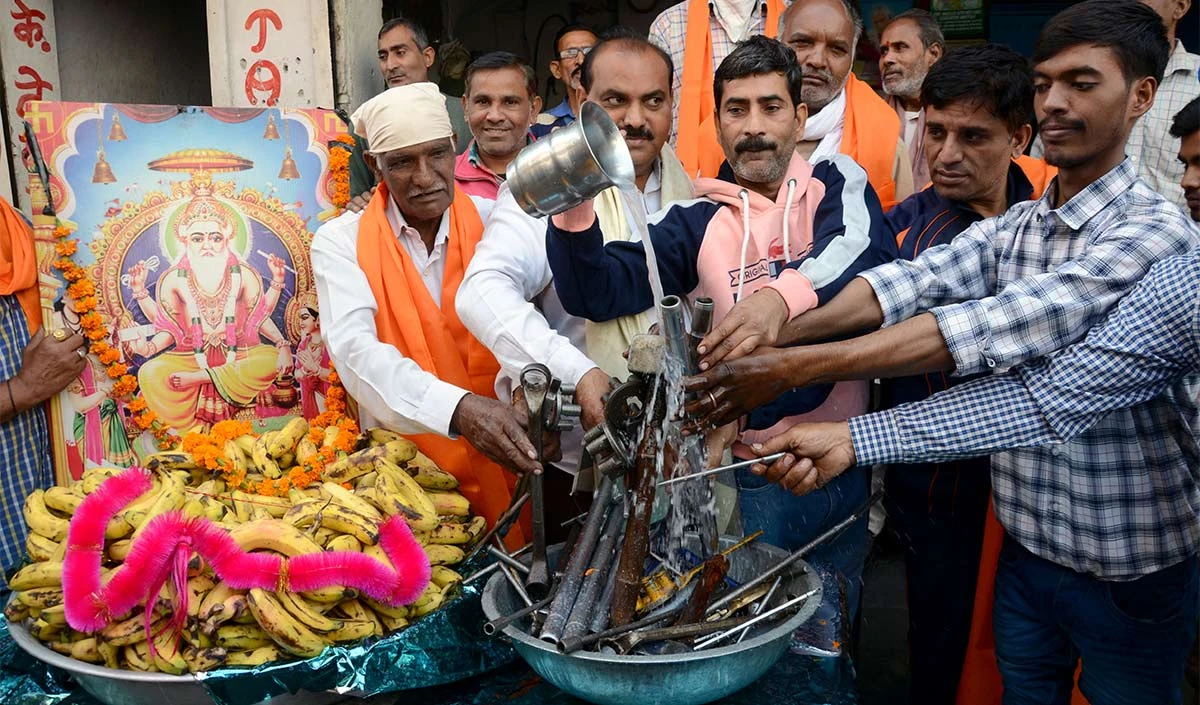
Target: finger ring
point(59, 335)
point(712, 398)
point(82, 353)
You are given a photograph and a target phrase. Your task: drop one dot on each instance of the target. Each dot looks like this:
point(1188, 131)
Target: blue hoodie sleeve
point(601, 282)
point(850, 236)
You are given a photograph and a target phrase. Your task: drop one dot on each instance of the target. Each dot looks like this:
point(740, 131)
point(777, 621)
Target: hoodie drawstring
point(787, 211)
point(745, 196)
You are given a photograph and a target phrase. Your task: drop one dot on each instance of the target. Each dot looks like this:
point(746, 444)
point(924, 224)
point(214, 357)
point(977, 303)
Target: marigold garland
point(207, 448)
point(339, 168)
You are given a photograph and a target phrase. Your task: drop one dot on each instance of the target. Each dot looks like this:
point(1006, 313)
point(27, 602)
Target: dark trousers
point(937, 512)
point(1131, 637)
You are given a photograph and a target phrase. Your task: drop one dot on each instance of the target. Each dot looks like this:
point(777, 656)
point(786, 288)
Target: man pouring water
point(773, 226)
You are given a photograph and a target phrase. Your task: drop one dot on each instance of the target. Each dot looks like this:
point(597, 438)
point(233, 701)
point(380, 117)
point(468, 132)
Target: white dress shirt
point(391, 390)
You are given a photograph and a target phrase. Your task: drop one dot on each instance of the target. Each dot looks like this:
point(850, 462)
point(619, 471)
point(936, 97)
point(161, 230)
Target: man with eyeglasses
point(571, 44)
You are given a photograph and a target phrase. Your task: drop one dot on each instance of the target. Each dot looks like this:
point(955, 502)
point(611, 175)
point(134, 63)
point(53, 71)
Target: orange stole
point(18, 264)
point(696, 137)
point(435, 338)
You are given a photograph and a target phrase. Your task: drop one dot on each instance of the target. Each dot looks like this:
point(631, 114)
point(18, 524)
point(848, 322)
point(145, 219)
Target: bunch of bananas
point(227, 627)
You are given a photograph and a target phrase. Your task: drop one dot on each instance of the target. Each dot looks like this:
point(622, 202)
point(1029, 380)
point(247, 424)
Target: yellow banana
point(194, 508)
point(37, 575)
point(201, 660)
point(94, 477)
point(130, 630)
point(119, 550)
point(345, 497)
point(427, 474)
point(14, 611)
point(365, 481)
point(169, 499)
point(444, 554)
point(246, 443)
point(392, 624)
point(381, 436)
point(170, 460)
point(429, 601)
point(449, 503)
point(257, 657)
point(330, 437)
point(41, 598)
point(284, 629)
point(41, 520)
point(273, 535)
point(44, 631)
point(383, 610)
point(138, 658)
point(285, 440)
point(241, 505)
point(119, 526)
point(63, 499)
point(344, 542)
point(168, 657)
point(110, 654)
point(396, 499)
point(56, 615)
point(305, 449)
point(355, 610)
point(198, 588)
point(333, 517)
point(442, 576)
point(330, 595)
point(41, 548)
point(235, 457)
point(86, 650)
point(363, 461)
point(412, 493)
point(263, 462)
point(308, 615)
point(241, 636)
point(352, 630)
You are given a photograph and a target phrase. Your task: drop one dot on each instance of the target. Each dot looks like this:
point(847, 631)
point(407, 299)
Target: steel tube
point(505, 558)
point(493, 567)
point(794, 557)
point(702, 318)
point(724, 468)
point(626, 643)
point(760, 618)
point(762, 605)
point(504, 520)
point(500, 623)
point(581, 555)
point(670, 310)
point(516, 583)
point(570, 646)
point(593, 581)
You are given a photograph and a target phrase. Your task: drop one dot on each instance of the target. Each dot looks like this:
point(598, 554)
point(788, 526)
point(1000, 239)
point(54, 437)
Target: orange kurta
point(18, 264)
point(435, 338)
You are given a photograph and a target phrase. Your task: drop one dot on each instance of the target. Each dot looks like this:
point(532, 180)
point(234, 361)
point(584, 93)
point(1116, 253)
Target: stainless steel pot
point(571, 164)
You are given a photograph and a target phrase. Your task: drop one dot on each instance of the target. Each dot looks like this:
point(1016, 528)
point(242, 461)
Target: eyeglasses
point(574, 52)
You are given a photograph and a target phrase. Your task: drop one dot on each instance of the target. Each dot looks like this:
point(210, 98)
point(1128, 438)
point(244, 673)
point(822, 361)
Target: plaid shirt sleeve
point(963, 269)
point(1149, 341)
point(1039, 314)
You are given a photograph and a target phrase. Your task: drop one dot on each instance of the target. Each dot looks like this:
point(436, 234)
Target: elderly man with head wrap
point(387, 279)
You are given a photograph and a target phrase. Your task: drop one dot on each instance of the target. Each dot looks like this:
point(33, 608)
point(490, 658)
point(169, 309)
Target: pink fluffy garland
point(162, 552)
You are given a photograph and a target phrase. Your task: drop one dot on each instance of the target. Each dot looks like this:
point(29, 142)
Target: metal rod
point(492, 567)
point(500, 528)
point(593, 585)
point(674, 331)
point(569, 646)
point(760, 618)
point(702, 316)
point(499, 623)
point(724, 468)
point(581, 555)
point(636, 545)
point(626, 643)
point(535, 381)
point(786, 563)
point(512, 562)
point(762, 604)
point(516, 583)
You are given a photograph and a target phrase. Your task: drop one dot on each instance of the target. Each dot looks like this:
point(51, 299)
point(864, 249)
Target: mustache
point(754, 144)
point(824, 74)
point(638, 133)
point(1057, 122)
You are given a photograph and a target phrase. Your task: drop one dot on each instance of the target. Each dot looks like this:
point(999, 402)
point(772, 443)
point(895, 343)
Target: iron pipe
point(602, 558)
point(500, 623)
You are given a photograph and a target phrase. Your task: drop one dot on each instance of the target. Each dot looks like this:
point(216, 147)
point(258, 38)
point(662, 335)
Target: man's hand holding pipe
point(817, 453)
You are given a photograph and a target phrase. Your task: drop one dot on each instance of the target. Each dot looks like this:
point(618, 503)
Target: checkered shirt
point(1047, 276)
point(24, 441)
point(1155, 153)
point(669, 31)
point(1113, 486)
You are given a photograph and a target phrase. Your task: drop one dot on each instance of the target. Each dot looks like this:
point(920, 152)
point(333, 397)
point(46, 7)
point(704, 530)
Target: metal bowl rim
point(779, 631)
point(39, 651)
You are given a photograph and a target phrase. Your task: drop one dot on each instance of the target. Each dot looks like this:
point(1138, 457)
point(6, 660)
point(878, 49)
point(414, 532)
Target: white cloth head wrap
point(403, 116)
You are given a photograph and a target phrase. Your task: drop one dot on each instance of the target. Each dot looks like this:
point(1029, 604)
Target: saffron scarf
point(18, 264)
point(433, 337)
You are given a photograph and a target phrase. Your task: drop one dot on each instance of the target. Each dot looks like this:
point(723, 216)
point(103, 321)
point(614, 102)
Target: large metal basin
point(120, 687)
point(679, 679)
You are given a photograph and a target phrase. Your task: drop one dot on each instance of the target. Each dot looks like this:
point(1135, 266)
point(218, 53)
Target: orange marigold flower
point(66, 248)
point(91, 320)
point(136, 405)
point(117, 370)
point(100, 348)
point(80, 289)
point(109, 356)
point(96, 334)
point(87, 303)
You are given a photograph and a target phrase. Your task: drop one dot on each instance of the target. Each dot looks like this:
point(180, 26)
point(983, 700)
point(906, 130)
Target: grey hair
point(927, 27)
point(851, 11)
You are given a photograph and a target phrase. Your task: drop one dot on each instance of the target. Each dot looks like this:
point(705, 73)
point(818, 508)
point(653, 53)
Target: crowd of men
point(1033, 319)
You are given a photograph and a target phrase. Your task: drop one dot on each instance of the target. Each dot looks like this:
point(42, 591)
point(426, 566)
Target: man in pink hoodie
point(772, 222)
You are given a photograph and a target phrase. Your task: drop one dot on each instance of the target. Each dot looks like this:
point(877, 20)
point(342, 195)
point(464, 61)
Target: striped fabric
point(1109, 480)
point(24, 440)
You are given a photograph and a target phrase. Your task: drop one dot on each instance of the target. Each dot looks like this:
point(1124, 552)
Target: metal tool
point(535, 381)
point(492, 567)
point(762, 605)
point(504, 521)
point(505, 558)
point(724, 468)
point(581, 555)
point(500, 623)
point(43, 172)
point(795, 556)
point(716, 638)
point(628, 642)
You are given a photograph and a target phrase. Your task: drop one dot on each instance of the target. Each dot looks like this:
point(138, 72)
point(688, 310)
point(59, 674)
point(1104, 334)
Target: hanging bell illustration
point(103, 173)
point(116, 133)
point(272, 132)
point(288, 171)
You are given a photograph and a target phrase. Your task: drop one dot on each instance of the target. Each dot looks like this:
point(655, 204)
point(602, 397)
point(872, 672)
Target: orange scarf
point(433, 337)
point(18, 264)
point(870, 135)
point(695, 143)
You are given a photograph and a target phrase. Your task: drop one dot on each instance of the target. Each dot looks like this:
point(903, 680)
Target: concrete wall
point(133, 51)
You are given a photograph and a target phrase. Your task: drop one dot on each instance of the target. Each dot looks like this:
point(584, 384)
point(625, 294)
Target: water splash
point(635, 214)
